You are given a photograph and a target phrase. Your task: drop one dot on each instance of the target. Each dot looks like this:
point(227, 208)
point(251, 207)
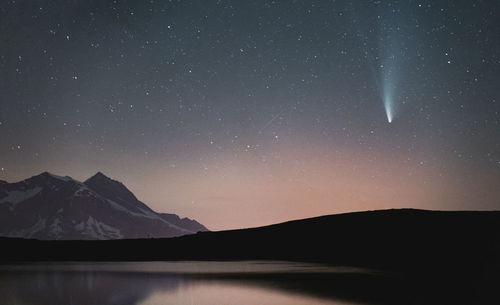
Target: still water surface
point(179, 283)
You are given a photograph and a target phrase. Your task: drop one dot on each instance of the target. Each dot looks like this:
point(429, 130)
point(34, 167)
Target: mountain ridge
point(48, 206)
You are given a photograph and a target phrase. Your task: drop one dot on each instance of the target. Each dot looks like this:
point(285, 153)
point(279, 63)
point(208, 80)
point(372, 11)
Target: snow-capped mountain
point(47, 206)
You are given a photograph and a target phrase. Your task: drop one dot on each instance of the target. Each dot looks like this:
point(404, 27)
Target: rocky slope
point(47, 206)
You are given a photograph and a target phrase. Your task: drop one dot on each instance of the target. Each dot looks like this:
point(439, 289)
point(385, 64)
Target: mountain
point(47, 206)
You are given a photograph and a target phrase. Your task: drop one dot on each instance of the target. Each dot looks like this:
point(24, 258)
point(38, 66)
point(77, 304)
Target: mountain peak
point(99, 176)
point(109, 188)
point(101, 179)
point(44, 174)
point(47, 175)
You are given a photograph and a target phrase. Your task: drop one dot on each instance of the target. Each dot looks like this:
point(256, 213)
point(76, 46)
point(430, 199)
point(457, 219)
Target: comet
point(387, 98)
point(389, 88)
point(388, 110)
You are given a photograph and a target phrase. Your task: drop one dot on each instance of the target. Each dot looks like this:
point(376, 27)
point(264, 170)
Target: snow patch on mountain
point(152, 215)
point(14, 197)
point(84, 191)
point(55, 228)
point(79, 227)
point(65, 178)
point(98, 230)
point(30, 231)
point(145, 213)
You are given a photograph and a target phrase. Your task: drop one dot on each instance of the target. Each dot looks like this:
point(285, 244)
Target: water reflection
point(211, 283)
point(216, 293)
point(167, 283)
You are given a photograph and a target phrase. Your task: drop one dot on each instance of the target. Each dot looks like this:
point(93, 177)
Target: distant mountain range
point(47, 206)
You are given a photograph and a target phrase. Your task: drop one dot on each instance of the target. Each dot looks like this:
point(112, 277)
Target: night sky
point(245, 113)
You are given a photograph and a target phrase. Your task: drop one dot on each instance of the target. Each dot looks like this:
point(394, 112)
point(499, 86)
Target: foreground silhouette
point(455, 252)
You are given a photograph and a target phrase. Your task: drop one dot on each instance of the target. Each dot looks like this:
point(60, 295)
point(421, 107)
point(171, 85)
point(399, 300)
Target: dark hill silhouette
point(397, 239)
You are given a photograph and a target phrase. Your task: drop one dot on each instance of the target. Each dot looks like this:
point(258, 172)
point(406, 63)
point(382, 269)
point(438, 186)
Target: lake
point(224, 283)
point(179, 283)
